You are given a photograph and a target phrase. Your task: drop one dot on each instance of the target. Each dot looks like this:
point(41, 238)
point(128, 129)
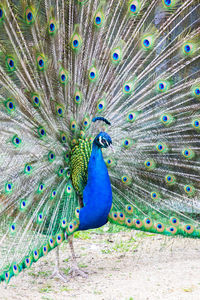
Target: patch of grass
point(188, 290)
point(65, 289)
point(43, 274)
point(97, 292)
point(82, 266)
point(66, 271)
point(46, 289)
point(35, 275)
point(142, 234)
point(83, 235)
point(66, 259)
point(106, 251)
point(125, 246)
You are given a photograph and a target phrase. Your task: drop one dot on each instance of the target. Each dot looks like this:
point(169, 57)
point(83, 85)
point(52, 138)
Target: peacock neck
point(97, 195)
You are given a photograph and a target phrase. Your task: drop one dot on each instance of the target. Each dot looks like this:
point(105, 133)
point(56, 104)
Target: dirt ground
point(122, 266)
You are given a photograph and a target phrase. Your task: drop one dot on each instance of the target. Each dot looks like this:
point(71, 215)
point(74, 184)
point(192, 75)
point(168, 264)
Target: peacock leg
point(57, 273)
point(75, 270)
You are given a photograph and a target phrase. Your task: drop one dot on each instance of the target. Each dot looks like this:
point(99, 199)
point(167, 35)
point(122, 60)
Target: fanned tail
point(64, 63)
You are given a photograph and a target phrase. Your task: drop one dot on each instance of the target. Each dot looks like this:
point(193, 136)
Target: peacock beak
point(112, 148)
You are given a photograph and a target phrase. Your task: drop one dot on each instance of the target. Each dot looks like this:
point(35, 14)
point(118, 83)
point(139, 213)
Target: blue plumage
point(97, 195)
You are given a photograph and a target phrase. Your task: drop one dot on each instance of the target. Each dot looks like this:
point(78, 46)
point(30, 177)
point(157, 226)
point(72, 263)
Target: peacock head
point(103, 140)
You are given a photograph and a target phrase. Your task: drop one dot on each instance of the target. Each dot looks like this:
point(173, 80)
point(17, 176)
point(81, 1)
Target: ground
point(125, 265)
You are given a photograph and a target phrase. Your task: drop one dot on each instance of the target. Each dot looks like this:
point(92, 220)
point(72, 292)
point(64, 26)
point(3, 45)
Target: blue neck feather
point(97, 195)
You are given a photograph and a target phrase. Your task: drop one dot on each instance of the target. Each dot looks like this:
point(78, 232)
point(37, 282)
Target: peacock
point(99, 122)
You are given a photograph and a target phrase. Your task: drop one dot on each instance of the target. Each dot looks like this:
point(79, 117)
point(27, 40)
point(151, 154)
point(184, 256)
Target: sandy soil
point(122, 266)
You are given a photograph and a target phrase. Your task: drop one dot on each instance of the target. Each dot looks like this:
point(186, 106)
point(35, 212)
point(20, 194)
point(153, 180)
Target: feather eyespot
point(129, 208)
point(51, 156)
point(160, 227)
point(41, 132)
point(147, 42)
point(52, 27)
point(63, 137)
point(147, 223)
point(121, 216)
point(110, 162)
point(77, 212)
point(196, 124)
point(128, 87)
point(166, 119)
point(189, 190)
point(69, 188)
point(2, 13)
point(174, 221)
point(45, 249)
point(101, 105)
point(132, 116)
point(29, 15)
point(16, 141)
point(40, 190)
point(76, 41)
point(28, 169)
point(172, 230)
point(70, 227)
point(188, 48)
point(53, 193)
point(134, 7)
point(41, 61)
point(51, 242)
point(150, 164)
point(116, 55)
point(73, 125)
point(128, 222)
point(114, 216)
point(63, 223)
point(195, 91)
point(59, 110)
point(13, 228)
point(170, 179)
point(36, 255)
point(78, 97)
point(10, 63)
point(23, 205)
point(7, 276)
point(169, 4)
point(155, 195)
point(162, 86)
point(27, 262)
point(86, 123)
point(15, 269)
point(138, 223)
point(126, 180)
point(188, 153)
point(10, 105)
point(99, 19)
point(8, 187)
point(60, 172)
point(189, 228)
point(35, 100)
point(93, 74)
point(59, 238)
point(63, 76)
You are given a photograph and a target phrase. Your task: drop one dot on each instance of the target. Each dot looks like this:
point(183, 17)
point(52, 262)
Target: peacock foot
point(58, 274)
point(76, 271)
